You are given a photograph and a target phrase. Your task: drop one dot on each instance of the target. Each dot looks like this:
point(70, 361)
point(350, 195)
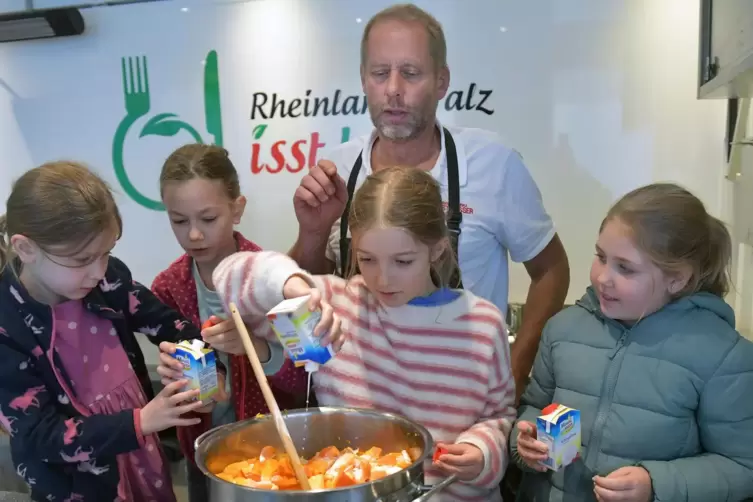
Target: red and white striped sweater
point(446, 367)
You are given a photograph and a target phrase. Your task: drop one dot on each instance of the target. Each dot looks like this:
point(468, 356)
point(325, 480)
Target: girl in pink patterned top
point(75, 394)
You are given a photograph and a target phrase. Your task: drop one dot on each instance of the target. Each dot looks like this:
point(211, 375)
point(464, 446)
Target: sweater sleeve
point(724, 472)
point(492, 431)
point(254, 282)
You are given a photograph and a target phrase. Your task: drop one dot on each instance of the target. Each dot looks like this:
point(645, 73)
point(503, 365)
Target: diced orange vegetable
point(316, 482)
point(286, 482)
point(329, 452)
point(266, 453)
point(342, 480)
point(269, 469)
point(327, 469)
point(389, 459)
point(378, 473)
point(373, 452)
point(317, 467)
point(285, 468)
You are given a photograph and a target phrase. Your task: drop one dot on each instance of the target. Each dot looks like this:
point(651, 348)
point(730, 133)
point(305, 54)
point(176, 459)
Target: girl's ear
point(25, 248)
point(239, 206)
point(679, 280)
point(438, 249)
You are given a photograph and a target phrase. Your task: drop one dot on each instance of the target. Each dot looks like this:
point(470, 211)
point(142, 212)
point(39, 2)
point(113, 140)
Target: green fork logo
point(138, 105)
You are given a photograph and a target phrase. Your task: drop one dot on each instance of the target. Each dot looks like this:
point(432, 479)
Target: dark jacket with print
point(34, 406)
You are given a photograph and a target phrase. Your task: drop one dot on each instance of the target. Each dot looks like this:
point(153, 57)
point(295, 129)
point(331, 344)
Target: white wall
point(598, 95)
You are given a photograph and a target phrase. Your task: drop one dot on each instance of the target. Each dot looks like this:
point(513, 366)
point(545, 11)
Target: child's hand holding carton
point(553, 442)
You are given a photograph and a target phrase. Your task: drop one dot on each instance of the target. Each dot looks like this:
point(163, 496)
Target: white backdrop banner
point(598, 95)
point(275, 82)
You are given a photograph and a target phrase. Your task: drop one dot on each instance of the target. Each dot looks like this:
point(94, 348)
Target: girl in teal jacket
point(651, 358)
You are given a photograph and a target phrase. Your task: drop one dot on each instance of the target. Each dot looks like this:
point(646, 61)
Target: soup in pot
point(328, 468)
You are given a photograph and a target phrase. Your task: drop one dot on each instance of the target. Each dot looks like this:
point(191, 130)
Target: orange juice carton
point(293, 323)
point(199, 367)
point(559, 429)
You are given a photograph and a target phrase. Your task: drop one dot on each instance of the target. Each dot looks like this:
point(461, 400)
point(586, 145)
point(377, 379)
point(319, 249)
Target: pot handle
point(429, 491)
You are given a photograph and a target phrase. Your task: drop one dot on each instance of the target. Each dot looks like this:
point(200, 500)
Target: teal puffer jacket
point(673, 393)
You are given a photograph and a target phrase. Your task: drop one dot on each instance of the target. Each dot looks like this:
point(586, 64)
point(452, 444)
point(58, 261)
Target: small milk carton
point(199, 367)
point(294, 324)
point(559, 428)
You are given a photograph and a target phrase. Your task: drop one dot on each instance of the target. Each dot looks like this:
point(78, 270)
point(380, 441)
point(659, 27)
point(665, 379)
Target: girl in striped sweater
point(413, 346)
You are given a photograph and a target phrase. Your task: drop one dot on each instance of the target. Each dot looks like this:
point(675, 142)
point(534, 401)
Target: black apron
point(454, 216)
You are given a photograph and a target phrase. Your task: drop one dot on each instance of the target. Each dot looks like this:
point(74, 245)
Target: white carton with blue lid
point(559, 429)
point(293, 323)
point(199, 367)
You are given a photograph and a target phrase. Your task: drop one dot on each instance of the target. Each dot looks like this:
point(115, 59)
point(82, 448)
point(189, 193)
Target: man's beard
point(416, 123)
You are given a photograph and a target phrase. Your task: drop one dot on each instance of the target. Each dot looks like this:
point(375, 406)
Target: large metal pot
point(311, 431)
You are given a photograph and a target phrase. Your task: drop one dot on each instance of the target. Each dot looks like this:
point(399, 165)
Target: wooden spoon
point(282, 429)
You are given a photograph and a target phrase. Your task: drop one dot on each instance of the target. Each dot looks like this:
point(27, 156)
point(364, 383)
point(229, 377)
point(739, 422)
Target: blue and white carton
point(293, 323)
point(199, 367)
point(559, 429)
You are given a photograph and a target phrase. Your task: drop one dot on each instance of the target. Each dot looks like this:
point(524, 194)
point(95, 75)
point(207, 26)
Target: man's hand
point(320, 199)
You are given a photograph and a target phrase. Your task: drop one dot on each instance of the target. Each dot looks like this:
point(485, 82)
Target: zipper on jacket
point(605, 400)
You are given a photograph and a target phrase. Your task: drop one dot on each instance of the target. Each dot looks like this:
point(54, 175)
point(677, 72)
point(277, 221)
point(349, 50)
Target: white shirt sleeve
point(333, 245)
point(525, 228)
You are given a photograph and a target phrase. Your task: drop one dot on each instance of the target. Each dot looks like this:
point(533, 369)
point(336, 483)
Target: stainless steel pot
point(311, 431)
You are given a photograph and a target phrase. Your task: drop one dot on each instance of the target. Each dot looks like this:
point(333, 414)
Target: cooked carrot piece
point(286, 482)
point(327, 469)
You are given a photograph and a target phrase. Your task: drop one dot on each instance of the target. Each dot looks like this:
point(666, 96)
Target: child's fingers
point(325, 323)
point(218, 328)
point(535, 465)
point(446, 468)
point(315, 300)
point(530, 453)
point(215, 339)
point(167, 347)
point(189, 407)
point(169, 374)
point(536, 446)
point(182, 397)
point(170, 361)
point(527, 428)
point(457, 460)
point(335, 336)
point(167, 381)
point(185, 422)
point(173, 387)
point(607, 495)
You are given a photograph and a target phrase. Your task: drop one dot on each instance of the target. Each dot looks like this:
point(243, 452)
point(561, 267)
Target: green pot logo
point(138, 104)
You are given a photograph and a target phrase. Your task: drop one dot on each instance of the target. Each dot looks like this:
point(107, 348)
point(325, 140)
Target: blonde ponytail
point(715, 274)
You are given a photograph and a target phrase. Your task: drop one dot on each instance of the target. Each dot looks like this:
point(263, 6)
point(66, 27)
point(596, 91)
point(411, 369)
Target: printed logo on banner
point(293, 156)
point(138, 104)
